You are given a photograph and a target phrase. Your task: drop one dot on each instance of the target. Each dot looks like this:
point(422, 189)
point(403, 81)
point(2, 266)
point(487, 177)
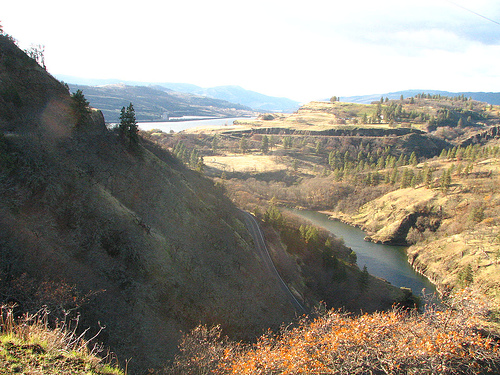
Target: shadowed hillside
point(131, 238)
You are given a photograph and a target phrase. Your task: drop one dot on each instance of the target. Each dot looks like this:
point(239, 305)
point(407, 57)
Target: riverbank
point(387, 262)
point(453, 236)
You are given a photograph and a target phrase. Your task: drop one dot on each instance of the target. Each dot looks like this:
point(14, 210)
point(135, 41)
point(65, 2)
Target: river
point(387, 262)
point(179, 124)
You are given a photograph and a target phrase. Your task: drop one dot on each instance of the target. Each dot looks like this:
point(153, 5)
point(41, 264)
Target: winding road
point(261, 248)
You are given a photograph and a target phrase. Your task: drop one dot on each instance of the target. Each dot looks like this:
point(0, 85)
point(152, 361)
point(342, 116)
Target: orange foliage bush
point(440, 340)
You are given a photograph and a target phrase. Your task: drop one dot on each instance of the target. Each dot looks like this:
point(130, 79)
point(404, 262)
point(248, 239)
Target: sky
point(302, 50)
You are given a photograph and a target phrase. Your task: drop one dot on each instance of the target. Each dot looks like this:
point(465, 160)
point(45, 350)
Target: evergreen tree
point(445, 180)
point(215, 144)
point(394, 176)
point(265, 144)
point(287, 142)
point(81, 109)
point(405, 179)
point(123, 126)
point(413, 159)
point(128, 125)
point(317, 149)
point(243, 145)
point(133, 128)
point(427, 175)
point(364, 278)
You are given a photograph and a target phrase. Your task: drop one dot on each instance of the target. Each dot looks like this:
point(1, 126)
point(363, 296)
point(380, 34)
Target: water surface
point(385, 261)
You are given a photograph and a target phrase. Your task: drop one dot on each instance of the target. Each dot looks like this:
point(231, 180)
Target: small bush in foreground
point(29, 346)
point(441, 340)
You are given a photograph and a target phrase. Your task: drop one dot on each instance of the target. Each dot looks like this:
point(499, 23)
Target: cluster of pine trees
point(382, 167)
point(191, 157)
point(471, 152)
point(308, 240)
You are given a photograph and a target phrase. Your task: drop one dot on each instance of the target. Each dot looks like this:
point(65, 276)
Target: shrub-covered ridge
point(441, 340)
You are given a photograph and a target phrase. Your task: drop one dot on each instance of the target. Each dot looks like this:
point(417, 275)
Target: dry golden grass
point(467, 240)
point(29, 346)
point(246, 163)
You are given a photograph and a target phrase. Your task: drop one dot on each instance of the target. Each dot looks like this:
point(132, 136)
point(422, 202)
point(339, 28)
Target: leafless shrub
point(63, 336)
point(443, 340)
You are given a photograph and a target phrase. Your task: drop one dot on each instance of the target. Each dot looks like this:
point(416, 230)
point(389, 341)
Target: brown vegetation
point(32, 345)
point(441, 340)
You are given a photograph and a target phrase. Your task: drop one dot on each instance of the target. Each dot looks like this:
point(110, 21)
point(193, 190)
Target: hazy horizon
point(279, 48)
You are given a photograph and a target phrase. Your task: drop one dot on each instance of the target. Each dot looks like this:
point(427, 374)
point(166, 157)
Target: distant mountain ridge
point(487, 97)
point(231, 93)
point(238, 94)
point(156, 103)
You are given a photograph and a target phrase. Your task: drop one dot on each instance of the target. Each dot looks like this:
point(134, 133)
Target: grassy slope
point(28, 346)
point(462, 240)
point(416, 114)
point(144, 245)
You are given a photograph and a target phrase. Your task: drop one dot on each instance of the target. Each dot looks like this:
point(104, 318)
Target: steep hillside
point(129, 237)
point(155, 103)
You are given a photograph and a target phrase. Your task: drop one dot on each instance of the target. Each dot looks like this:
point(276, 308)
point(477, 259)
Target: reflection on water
point(387, 262)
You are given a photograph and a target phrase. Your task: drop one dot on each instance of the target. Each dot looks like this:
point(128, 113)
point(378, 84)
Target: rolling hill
point(155, 103)
point(234, 94)
point(487, 97)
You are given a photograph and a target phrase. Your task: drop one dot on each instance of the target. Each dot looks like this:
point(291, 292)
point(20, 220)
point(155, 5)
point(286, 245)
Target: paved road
point(261, 248)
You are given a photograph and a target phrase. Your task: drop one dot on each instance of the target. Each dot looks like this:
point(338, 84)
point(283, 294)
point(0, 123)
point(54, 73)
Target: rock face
point(389, 219)
point(483, 136)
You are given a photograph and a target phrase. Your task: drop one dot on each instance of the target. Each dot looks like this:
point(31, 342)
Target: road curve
point(261, 248)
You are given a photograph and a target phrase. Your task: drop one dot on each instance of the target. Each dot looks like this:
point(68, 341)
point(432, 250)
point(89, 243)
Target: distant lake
point(179, 124)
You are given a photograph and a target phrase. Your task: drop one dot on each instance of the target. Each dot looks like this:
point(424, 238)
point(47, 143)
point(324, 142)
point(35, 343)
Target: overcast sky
point(303, 50)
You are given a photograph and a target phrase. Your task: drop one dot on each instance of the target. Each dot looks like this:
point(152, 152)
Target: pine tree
point(317, 149)
point(405, 179)
point(243, 145)
point(215, 144)
point(133, 128)
point(445, 180)
point(413, 159)
point(128, 128)
point(287, 142)
point(81, 108)
point(427, 176)
point(265, 144)
point(394, 176)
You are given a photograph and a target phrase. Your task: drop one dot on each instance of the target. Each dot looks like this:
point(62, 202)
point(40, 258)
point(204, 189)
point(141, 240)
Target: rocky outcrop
point(390, 218)
point(483, 136)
